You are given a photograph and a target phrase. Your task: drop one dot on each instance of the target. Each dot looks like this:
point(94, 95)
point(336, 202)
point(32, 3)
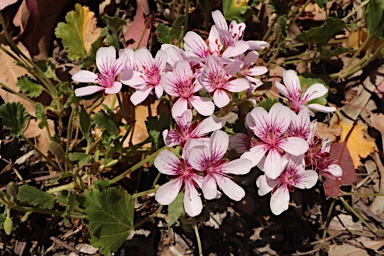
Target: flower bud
point(8, 225)
point(12, 189)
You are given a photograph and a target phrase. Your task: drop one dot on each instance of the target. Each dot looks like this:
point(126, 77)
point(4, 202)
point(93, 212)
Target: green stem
point(355, 10)
point(69, 129)
point(144, 193)
point(328, 220)
point(350, 208)
point(95, 104)
point(361, 194)
point(49, 161)
point(66, 186)
point(199, 246)
point(358, 51)
point(47, 211)
point(18, 94)
point(269, 30)
point(137, 166)
point(299, 13)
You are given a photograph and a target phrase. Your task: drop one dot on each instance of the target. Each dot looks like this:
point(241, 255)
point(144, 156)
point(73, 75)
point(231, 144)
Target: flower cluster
point(204, 77)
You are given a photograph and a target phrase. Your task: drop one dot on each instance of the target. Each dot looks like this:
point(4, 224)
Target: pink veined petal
point(85, 76)
point(171, 138)
point(251, 58)
point(195, 44)
point(230, 188)
point(168, 82)
point(239, 142)
point(88, 90)
point(255, 154)
point(280, 117)
point(273, 165)
point(209, 187)
point(133, 79)
point(279, 200)
point(282, 89)
point(292, 82)
point(294, 145)
point(257, 120)
point(185, 120)
point(315, 91)
point(218, 145)
point(120, 64)
point(308, 179)
point(114, 89)
point(182, 70)
point(264, 186)
point(161, 59)
point(105, 59)
point(159, 91)
point(219, 20)
point(237, 85)
point(233, 67)
point(215, 40)
point(174, 53)
point(144, 59)
point(192, 201)
point(238, 48)
point(140, 95)
point(202, 105)
point(321, 108)
point(257, 45)
point(221, 98)
point(257, 71)
point(199, 157)
point(130, 64)
point(167, 163)
point(209, 124)
point(238, 166)
point(169, 191)
point(335, 170)
point(179, 107)
point(190, 144)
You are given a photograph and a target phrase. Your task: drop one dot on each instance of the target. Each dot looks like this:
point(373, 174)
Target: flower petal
point(221, 98)
point(140, 95)
point(238, 166)
point(219, 20)
point(85, 76)
point(218, 145)
point(237, 85)
point(315, 91)
point(199, 157)
point(257, 45)
point(230, 188)
point(294, 145)
point(161, 60)
point(321, 108)
point(308, 179)
point(88, 90)
point(234, 50)
point(257, 121)
point(264, 186)
point(202, 105)
point(280, 118)
point(209, 124)
point(105, 59)
point(282, 89)
point(167, 163)
point(193, 43)
point(114, 89)
point(255, 154)
point(192, 201)
point(169, 191)
point(273, 165)
point(292, 82)
point(179, 107)
point(335, 170)
point(279, 200)
point(209, 187)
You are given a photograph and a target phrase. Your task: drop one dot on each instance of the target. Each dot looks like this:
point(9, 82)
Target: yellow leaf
point(90, 31)
point(358, 144)
point(357, 37)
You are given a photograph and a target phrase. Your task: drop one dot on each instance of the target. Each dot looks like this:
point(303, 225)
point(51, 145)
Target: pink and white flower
point(250, 70)
point(293, 176)
point(109, 68)
point(270, 130)
point(220, 80)
point(298, 99)
point(147, 76)
point(185, 129)
point(183, 176)
point(300, 125)
point(209, 159)
point(180, 83)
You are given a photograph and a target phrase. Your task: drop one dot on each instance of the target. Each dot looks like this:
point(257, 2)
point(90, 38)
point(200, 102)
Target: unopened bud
point(8, 225)
point(56, 149)
point(12, 189)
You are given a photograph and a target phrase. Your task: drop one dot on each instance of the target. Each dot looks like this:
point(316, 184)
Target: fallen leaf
point(137, 34)
point(357, 37)
point(351, 250)
point(331, 132)
point(41, 135)
point(9, 73)
point(377, 121)
point(358, 144)
point(26, 16)
point(5, 3)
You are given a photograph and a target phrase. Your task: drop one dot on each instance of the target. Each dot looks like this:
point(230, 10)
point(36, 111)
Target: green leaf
point(40, 115)
point(72, 201)
point(282, 28)
point(85, 122)
point(76, 31)
point(163, 34)
point(375, 18)
point(321, 3)
point(36, 197)
point(175, 209)
point(156, 126)
point(333, 51)
point(114, 24)
point(233, 10)
point(107, 122)
point(267, 103)
point(102, 185)
point(82, 158)
point(110, 217)
point(90, 59)
point(278, 6)
point(15, 117)
point(29, 86)
point(321, 35)
point(176, 30)
point(307, 82)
